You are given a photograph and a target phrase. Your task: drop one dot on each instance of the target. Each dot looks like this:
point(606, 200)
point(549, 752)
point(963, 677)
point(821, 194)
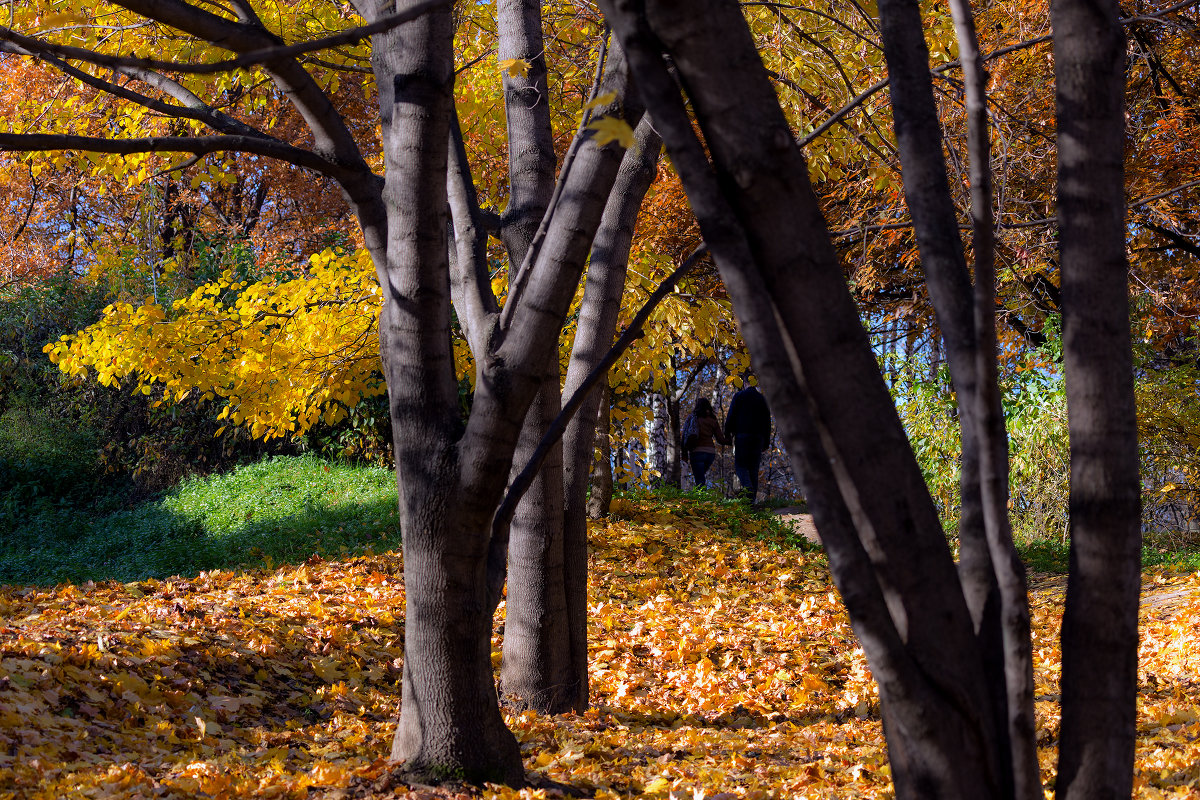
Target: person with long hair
point(702, 450)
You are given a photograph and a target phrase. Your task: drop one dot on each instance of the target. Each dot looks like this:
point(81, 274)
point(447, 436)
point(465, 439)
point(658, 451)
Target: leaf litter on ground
point(722, 667)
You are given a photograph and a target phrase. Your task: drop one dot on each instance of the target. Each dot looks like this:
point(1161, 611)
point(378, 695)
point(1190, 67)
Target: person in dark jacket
point(749, 426)
point(703, 452)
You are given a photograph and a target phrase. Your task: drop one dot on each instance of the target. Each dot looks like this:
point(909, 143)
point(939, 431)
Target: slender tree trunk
point(673, 476)
point(1015, 690)
point(1100, 628)
point(546, 668)
point(598, 315)
point(600, 499)
point(537, 669)
point(657, 457)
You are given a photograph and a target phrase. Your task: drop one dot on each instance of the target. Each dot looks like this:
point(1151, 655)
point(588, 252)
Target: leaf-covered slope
point(722, 666)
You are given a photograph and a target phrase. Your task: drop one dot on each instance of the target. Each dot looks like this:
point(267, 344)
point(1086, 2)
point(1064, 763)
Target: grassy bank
point(281, 510)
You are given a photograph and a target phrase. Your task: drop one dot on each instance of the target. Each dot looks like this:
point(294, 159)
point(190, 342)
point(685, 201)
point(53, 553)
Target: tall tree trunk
point(674, 476)
point(598, 316)
point(537, 669)
point(993, 580)
point(450, 723)
point(1014, 691)
point(543, 669)
point(1100, 628)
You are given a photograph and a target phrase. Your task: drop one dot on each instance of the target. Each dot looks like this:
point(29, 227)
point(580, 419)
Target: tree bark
point(756, 165)
point(450, 723)
point(1100, 628)
point(538, 670)
point(598, 316)
point(600, 498)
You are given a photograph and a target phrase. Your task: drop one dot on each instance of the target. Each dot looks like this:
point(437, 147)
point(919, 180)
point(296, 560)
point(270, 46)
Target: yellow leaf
point(515, 67)
point(611, 129)
point(657, 786)
point(601, 100)
point(327, 670)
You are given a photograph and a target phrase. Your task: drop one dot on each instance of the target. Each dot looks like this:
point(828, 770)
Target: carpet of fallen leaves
point(723, 667)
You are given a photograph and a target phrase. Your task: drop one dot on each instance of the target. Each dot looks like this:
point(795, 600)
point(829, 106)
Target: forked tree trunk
point(993, 579)
point(773, 211)
point(1100, 622)
point(757, 212)
point(450, 724)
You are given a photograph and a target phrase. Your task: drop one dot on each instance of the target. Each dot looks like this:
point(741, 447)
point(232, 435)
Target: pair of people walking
point(747, 428)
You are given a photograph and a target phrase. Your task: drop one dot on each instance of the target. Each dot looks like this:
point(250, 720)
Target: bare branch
point(874, 88)
point(195, 109)
point(631, 334)
point(247, 59)
point(197, 145)
point(1032, 223)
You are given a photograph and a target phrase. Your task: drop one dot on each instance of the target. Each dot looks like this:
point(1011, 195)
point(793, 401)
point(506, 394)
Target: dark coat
point(749, 416)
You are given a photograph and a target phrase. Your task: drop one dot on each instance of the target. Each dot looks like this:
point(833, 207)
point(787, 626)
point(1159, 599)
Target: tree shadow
point(60, 543)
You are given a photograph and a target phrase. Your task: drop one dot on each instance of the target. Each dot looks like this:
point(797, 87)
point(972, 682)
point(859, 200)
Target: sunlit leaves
point(722, 666)
point(611, 129)
point(284, 354)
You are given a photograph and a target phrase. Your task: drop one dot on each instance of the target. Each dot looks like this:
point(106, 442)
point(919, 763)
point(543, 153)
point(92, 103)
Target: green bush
point(41, 459)
point(1035, 409)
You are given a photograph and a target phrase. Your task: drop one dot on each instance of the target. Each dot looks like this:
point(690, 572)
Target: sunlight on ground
point(722, 667)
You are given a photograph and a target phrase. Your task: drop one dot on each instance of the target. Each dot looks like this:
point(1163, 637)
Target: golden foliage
point(723, 666)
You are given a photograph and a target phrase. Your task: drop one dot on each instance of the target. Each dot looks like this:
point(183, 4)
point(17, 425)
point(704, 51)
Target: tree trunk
point(598, 316)
point(993, 580)
point(450, 723)
point(537, 670)
point(600, 498)
point(1100, 627)
point(546, 668)
point(657, 456)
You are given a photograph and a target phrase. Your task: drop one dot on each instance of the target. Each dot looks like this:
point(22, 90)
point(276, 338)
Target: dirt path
point(799, 521)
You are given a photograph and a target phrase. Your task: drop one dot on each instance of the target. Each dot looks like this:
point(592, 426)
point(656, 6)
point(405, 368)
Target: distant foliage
point(1169, 434)
point(1035, 408)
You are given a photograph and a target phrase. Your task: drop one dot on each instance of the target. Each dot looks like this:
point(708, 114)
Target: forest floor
point(722, 667)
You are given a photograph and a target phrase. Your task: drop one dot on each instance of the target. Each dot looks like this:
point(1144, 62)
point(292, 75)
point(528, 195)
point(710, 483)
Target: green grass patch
point(1163, 550)
point(280, 510)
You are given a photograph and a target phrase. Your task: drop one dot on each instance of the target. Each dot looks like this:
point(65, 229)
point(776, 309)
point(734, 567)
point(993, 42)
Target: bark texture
point(450, 724)
point(1100, 631)
point(600, 497)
